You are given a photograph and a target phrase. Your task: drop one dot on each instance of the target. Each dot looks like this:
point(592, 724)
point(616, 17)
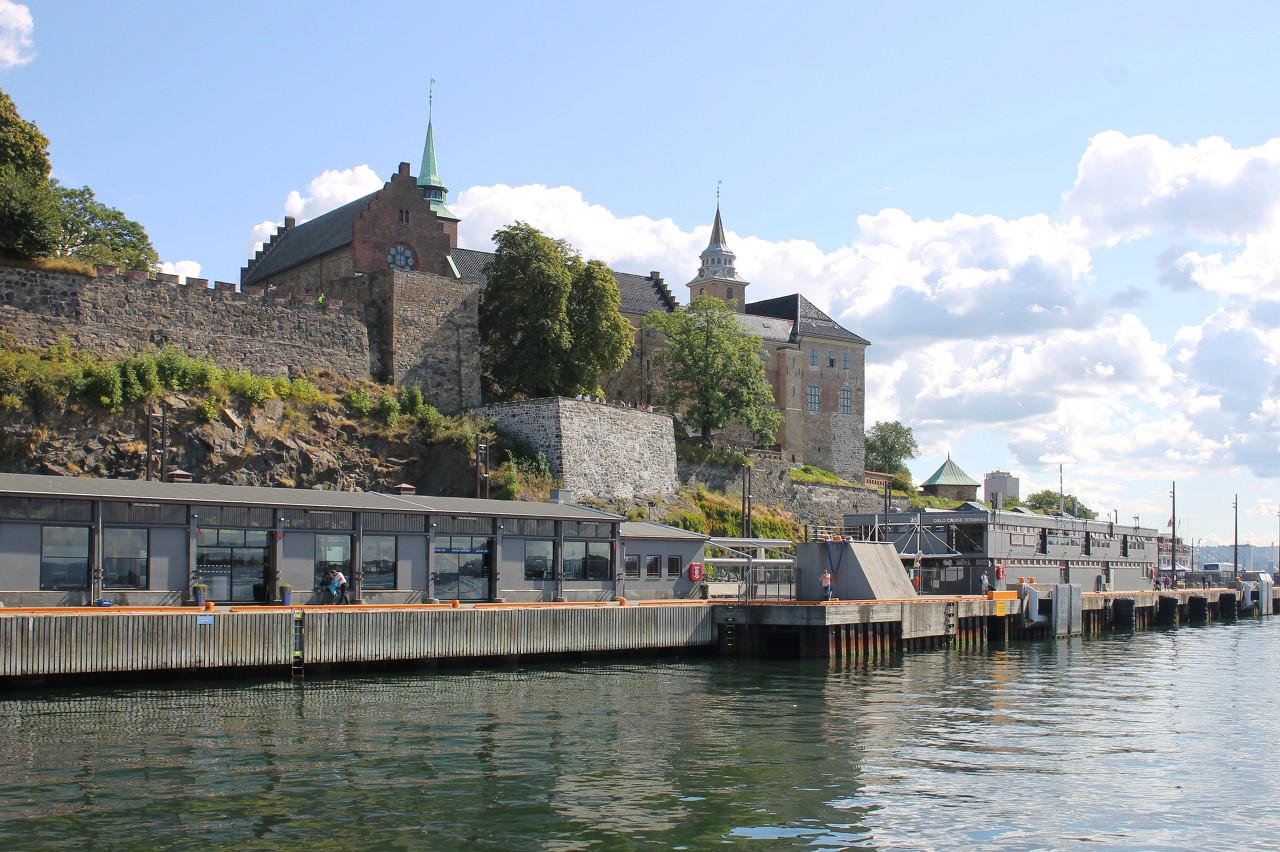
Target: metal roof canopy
point(741, 547)
point(142, 491)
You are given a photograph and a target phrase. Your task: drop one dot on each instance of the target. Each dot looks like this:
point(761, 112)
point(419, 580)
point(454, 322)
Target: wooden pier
point(71, 642)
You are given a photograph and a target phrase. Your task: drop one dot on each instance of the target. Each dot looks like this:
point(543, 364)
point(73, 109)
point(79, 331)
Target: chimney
point(289, 222)
point(561, 495)
point(179, 476)
point(404, 489)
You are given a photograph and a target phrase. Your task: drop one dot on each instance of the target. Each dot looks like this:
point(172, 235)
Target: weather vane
point(431, 98)
point(718, 193)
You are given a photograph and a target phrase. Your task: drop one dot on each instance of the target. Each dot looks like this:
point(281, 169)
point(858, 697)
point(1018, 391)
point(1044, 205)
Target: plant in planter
point(286, 594)
point(199, 593)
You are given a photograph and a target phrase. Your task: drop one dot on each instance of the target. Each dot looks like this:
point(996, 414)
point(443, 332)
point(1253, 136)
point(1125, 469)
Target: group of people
point(333, 588)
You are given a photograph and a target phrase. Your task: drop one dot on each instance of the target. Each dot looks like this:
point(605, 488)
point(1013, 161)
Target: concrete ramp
point(862, 570)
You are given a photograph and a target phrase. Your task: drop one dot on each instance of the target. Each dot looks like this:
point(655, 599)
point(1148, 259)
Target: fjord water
point(1162, 740)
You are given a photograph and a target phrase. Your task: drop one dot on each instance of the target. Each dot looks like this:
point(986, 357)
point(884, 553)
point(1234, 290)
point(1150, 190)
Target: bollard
point(1122, 611)
point(1197, 608)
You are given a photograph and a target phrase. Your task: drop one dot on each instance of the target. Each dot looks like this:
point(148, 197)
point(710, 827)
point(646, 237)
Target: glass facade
point(64, 558)
point(232, 562)
point(463, 565)
point(539, 560)
point(333, 552)
point(378, 562)
point(125, 558)
point(586, 560)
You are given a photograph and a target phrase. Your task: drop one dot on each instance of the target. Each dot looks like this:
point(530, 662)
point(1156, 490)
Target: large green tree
point(549, 321)
point(92, 232)
point(28, 209)
point(1049, 500)
point(712, 371)
point(889, 446)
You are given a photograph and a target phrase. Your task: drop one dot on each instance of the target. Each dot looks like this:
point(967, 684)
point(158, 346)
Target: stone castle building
point(396, 251)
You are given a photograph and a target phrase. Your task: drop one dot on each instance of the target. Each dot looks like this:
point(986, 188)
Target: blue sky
point(1059, 227)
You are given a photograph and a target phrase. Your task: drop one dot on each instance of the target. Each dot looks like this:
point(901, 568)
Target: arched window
point(728, 293)
point(815, 396)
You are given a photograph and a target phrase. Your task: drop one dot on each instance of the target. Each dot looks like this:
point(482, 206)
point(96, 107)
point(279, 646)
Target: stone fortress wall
point(597, 449)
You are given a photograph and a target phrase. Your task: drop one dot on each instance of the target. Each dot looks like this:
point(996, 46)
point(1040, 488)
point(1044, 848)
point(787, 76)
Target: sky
point(1057, 224)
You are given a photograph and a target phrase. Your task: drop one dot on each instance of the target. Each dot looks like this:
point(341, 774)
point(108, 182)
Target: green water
point(1161, 740)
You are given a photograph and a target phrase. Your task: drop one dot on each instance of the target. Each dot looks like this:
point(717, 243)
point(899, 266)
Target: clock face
point(401, 256)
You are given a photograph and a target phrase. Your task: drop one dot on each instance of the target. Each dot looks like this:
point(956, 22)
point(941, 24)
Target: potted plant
point(286, 594)
point(199, 593)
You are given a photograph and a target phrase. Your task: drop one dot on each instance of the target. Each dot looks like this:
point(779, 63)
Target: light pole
point(1235, 537)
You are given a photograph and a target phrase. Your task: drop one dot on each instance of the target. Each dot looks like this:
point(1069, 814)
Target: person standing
point(339, 587)
point(825, 580)
point(986, 582)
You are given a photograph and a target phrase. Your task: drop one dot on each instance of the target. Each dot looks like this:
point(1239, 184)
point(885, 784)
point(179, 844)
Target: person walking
point(824, 579)
point(339, 587)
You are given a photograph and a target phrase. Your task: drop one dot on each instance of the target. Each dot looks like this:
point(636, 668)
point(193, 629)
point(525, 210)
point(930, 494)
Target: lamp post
point(1235, 537)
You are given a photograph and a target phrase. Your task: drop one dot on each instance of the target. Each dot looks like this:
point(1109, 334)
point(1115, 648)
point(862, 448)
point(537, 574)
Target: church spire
point(717, 276)
point(433, 189)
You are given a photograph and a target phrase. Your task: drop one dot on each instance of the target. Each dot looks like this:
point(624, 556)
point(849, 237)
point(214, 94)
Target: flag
point(1170, 523)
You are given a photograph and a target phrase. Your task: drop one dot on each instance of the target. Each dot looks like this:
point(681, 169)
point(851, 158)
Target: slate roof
point(949, 474)
point(768, 329)
point(640, 294)
point(809, 321)
point(318, 236)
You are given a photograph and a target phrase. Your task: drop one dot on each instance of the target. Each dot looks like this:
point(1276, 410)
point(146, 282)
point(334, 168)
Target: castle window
point(815, 396)
point(404, 217)
point(702, 292)
point(846, 401)
point(845, 358)
point(831, 358)
point(813, 357)
point(728, 293)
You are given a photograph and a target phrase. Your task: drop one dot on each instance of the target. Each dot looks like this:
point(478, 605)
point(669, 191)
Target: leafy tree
point(92, 232)
point(28, 210)
point(889, 445)
point(549, 322)
point(1048, 500)
point(712, 370)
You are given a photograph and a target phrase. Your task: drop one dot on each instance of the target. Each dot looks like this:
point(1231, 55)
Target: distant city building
point(999, 487)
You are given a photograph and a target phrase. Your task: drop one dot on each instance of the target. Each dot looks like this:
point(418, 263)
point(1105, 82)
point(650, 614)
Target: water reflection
point(1128, 742)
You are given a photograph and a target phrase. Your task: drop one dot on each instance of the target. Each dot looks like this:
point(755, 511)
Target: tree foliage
point(28, 209)
point(90, 231)
point(712, 371)
point(549, 321)
point(889, 445)
point(1049, 500)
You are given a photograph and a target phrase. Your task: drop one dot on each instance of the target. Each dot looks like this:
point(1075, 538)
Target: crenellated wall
point(597, 449)
point(121, 314)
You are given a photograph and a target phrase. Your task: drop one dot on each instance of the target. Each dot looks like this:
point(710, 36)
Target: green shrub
point(699, 454)
point(139, 378)
point(303, 391)
point(358, 402)
point(248, 388)
point(411, 401)
point(429, 420)
point(816, 476)
point(693, 521)
point(102, 386)
point(207, 411)
point(386, 408)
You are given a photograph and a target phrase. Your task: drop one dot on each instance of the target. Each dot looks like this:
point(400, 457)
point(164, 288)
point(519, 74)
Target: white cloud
point(184, 269)
point(328, 191)
point(1128, 187)
point(16, 46)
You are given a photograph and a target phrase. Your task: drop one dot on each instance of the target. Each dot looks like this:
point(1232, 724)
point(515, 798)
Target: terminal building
point(947, 551)
point(70, 541)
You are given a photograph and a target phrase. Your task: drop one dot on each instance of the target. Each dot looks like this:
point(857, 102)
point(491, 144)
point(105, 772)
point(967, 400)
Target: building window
point(831, 358)
point(846, 401)
point(333, 553)
point(64, 558)
point(378, 562)
point(232, 562)
point(815, 397)
point(631, 568)
point(653, 567)
point(538, 564)
point(813, 357)
point(674, 566)
point(462, 565)
point(728, 293)
point(702, 292)
point(586, 560)
point(845, 360)
point(125, 558)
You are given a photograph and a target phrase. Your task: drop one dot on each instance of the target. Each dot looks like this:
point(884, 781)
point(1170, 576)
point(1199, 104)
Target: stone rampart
point(597, 449)
point(120, 314)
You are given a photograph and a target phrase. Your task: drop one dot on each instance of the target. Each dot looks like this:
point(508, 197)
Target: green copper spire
point(433, 189)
